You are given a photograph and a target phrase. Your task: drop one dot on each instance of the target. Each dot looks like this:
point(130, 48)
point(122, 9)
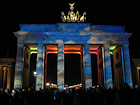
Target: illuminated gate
point(66, 34)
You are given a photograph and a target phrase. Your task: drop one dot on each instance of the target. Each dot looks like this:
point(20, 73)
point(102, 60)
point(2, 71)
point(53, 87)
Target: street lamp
point(47, 84)
point(34, 74)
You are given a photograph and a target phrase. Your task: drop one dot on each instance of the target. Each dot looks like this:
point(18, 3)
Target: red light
point(77, 94)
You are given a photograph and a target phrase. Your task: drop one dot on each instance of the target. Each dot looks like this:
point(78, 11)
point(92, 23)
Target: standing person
point(83, 98)
point(110, 96)
point(126, 95)
point(101, 96)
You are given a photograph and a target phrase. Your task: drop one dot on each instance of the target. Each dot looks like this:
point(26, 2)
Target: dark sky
point(99, 12)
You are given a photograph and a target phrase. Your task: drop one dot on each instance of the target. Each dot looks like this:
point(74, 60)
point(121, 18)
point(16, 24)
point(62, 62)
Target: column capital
point(106, 45)
point(86, 45)
point(60, 44)
point(40, 48)
point(125, 44)
point(20, 44)
point(41, 44)
point(5, 68)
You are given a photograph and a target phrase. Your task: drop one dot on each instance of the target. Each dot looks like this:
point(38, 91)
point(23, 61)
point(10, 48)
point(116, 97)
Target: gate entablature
point(75, 33)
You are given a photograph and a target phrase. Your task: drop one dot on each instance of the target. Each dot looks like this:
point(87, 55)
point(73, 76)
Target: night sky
point(99, 12)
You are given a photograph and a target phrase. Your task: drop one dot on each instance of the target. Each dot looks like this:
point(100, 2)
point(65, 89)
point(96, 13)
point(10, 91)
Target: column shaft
point(122, 55)
point(9, 78)
point(19, 66)
point(103, 57)
point(127, 65)
point(4, 77)
point(87, 66)
point(45, 66)
point(26, 69)
point(1, 76)
point(81, 66)
point(60, 67)
point(108, 70)
point(40, 67)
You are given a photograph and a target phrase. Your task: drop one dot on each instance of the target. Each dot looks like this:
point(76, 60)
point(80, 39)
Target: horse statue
point(63, 17)
point(83, 18)
point(77, 16)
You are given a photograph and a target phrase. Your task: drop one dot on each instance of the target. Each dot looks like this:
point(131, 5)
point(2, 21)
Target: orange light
point(52, 52)
point(94, 52)
point(93, 48)
point(72, 53)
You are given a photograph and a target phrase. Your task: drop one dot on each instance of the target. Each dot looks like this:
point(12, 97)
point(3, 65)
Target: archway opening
point(72, 69)
point(32, 69)
point(97, 65)
point(73, 58)
point(94, 69)
point(50, 65)
point(52, 68)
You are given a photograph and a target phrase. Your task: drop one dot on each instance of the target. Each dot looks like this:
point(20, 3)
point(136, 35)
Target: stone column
point(122, 55)
point(45, 66)
point(26, 70)
point(4, 77)
point(40, 67)
point(82, 70)
point(9, 77)
point(87, 66)
point(1, 76)
point(108, 70)
point(103, 57)
point(60, 67)
point(127, 65)
point(19, 66)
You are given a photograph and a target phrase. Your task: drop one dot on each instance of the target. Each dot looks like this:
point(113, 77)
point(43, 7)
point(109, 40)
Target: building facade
point(135, 71)
point(74, 38)
point(7, 73)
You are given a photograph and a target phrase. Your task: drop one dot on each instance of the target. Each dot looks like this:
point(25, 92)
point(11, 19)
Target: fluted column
point(9, 78)
point(108, 70)
point(40, 67)
point(19, 66)
point(103, 57)
point(82, 70)
point(122, 55)
point(87, 66)
point(60, 67)
point(45, 66)
point(127, 65)
point(4, 77)
point(1, 77)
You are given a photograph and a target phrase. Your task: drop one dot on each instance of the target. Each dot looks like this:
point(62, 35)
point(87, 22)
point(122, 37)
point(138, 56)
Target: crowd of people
point(93, 96)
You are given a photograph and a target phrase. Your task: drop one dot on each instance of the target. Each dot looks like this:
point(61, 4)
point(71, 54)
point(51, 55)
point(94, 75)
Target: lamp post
point(48, 85)
point(34, 74)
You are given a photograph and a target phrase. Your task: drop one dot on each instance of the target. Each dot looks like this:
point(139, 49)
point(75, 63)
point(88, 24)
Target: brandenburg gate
point(73, 38)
